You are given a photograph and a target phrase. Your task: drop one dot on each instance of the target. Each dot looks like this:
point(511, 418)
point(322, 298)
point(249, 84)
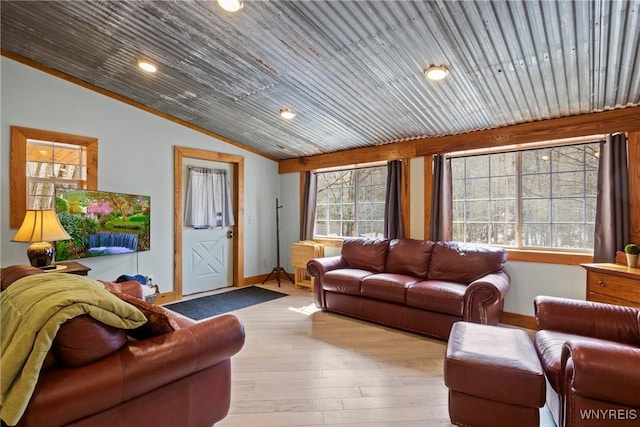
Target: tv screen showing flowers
point(102, 223)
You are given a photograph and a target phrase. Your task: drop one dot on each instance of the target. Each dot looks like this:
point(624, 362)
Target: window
point(350, 202)
point(543, 198)
point(42, 160)
point(51, 164)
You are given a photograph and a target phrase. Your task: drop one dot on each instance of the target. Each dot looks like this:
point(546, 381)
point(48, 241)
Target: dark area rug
point(212, 305)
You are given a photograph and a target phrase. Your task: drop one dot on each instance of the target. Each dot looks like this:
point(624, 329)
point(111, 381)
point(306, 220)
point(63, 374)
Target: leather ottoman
point(494, 377)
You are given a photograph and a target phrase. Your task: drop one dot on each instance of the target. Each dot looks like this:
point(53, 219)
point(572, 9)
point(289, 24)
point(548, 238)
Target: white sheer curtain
point(208, 203)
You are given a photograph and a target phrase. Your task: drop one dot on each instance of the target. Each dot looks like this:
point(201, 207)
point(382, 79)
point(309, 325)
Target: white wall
point(135, 156)
point(529, 279)
point(289, 216)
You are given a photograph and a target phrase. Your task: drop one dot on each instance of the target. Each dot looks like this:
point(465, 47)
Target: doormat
point(212, 305)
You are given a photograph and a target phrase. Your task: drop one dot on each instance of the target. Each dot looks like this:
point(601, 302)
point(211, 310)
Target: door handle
point(229, 234)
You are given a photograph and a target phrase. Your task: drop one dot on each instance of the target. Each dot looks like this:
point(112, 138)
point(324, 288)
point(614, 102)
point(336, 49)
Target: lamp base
point(40, 254)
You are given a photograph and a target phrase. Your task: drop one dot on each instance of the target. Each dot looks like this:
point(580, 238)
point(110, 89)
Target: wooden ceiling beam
point(623, 120)
point(394, 151)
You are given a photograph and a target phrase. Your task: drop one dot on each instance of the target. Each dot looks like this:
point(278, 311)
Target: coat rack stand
point(277, 269)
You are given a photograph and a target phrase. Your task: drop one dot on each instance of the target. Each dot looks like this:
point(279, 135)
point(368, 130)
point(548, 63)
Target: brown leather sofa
point(97, 376)
point(416, 285)
point(590, 353)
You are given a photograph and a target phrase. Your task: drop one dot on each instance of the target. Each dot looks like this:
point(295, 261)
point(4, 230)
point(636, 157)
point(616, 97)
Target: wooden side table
point(613, 284)
point(301, 253)
point(70, 267)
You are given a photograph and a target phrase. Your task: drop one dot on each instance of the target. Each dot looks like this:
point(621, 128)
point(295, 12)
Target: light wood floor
point(302, 367)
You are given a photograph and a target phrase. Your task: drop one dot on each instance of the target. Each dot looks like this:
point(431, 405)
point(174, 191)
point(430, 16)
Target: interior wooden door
point(207, 262)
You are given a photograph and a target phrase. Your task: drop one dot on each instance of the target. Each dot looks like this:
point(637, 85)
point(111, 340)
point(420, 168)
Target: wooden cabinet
point(613, 284)
point(301, 253)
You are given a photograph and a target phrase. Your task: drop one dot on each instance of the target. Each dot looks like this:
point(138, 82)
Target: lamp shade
point(40, 226)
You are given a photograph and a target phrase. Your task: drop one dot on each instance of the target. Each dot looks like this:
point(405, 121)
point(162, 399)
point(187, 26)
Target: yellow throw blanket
point(33, 308)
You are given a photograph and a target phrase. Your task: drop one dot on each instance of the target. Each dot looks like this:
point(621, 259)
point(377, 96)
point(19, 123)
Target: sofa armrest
point(64, 395)
point(602, 371)
point(484, 298)
point(317, 267)
point(587, 318)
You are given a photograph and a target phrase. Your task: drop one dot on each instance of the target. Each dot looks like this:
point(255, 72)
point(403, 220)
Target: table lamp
point(40, 227)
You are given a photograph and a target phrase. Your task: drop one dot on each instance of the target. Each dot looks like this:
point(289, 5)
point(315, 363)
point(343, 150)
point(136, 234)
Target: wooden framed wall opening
point(179, 154)
point(19, 155)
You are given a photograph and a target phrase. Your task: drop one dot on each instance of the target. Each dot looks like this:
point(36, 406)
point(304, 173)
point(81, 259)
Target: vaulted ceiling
point(353, 71)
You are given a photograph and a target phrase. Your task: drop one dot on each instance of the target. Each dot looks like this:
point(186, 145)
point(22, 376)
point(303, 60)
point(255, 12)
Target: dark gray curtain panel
point(309, 206)
point(612, 229)
point(441, 227)
point(393, 225)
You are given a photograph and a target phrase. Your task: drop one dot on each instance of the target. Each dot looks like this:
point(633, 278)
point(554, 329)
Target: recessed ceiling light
point(287, 113)
point(436, 72)
point(231, 5)
point(147, 66)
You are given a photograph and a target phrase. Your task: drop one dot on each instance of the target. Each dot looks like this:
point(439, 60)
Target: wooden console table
point(613, 284)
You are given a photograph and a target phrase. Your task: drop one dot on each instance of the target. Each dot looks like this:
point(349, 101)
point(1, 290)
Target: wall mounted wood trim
point(623, 120)
point(394, 151)
point(634, 184)
point(519, 320)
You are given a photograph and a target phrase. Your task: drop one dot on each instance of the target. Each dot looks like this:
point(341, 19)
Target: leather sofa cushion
point(438, 296)
point(409, 256)
point(463, 263)
point(83, 340)
point(10, 274)
point(387, 287)
point(365, 254)
point(344, 280)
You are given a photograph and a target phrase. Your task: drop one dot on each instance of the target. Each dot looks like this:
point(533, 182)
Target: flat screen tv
point(102, 223)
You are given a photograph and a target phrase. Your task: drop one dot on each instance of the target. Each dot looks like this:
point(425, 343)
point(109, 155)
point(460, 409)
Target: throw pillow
point(158, 320)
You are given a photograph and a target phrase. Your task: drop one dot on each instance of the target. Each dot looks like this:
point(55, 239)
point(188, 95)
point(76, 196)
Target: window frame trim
point(18, 165)
point(353, 167)
point(542, 254)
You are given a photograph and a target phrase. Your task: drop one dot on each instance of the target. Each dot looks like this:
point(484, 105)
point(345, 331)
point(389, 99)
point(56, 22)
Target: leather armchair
point(590, 353)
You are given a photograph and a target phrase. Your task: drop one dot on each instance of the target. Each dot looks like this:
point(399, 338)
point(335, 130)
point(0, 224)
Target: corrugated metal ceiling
point(352, 70)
